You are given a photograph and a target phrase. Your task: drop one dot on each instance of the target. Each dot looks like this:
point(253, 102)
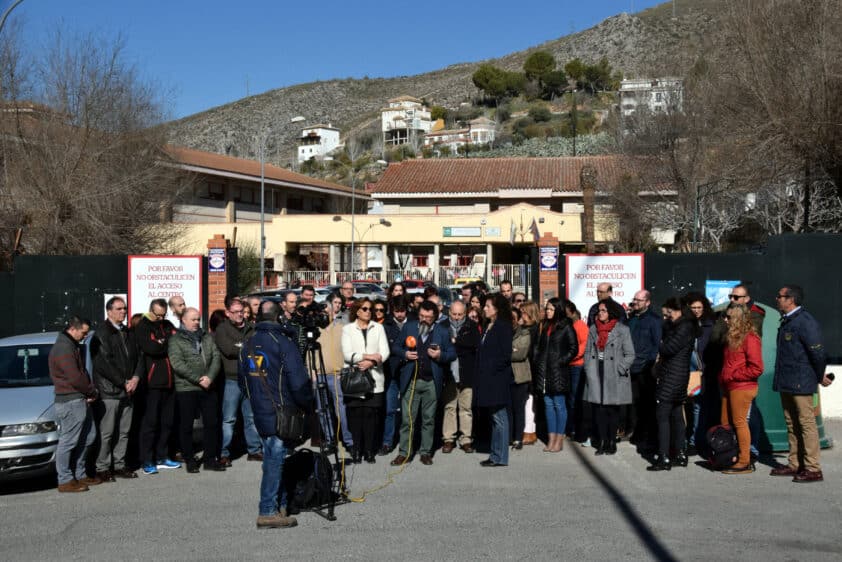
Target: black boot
point(680, 459)
point(356, 455)
point(611, 447)
point(663, 463)
point(600, 448)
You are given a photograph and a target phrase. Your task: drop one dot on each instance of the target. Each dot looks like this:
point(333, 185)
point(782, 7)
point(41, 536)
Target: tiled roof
point(201, 159)
point(478, 175)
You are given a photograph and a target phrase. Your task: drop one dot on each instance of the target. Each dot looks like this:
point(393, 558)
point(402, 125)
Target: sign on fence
point(624, 272)
point(162, 277)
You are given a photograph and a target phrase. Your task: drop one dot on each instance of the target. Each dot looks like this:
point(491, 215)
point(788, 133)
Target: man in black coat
point(645, 328)
point(115, 358)
point(457, 395)
point(391, 370)
point(152, 336)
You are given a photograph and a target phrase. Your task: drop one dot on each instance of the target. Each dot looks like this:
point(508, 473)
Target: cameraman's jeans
point(233, 399)
point(335, 391)
point(272, 493)
point(391, 420)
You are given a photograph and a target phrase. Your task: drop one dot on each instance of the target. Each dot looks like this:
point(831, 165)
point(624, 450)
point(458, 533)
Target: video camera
point(311, 318)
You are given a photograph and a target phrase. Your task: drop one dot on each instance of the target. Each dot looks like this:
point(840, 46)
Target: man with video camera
point(271, 373)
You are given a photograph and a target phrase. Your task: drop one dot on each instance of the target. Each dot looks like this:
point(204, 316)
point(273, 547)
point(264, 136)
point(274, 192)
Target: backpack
point(724, 448)
point(308, 479)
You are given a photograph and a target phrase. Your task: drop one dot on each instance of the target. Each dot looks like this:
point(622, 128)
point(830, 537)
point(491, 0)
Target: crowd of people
point(491, 362)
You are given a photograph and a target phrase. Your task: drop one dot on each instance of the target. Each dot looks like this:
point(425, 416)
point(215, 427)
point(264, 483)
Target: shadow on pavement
point(26, 485)
point(644, 533)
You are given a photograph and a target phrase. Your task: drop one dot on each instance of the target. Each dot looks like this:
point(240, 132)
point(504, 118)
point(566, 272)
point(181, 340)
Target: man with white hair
point(457, 394)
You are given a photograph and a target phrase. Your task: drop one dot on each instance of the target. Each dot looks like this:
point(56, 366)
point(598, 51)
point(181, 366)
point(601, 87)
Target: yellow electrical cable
point(390, 477)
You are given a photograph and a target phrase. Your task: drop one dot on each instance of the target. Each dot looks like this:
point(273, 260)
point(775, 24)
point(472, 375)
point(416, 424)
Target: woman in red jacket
point(742, 366)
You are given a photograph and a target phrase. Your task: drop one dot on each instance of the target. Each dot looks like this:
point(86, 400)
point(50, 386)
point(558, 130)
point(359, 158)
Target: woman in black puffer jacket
point(673, 372)
point(557, 346)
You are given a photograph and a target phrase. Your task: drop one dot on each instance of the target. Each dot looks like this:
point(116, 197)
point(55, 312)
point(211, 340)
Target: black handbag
point(355, 382)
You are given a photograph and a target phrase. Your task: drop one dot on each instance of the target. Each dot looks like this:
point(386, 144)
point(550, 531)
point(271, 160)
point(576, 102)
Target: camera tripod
point(327, 416)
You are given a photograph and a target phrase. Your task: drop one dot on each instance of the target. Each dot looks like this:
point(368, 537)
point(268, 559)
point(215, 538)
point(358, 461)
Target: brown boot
point(560, 442)
point(91, 480)
point(72, 486)
point(276, 521)
point(529, 438)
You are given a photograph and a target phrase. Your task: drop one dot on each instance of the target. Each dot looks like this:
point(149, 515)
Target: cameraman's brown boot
point(276, 521)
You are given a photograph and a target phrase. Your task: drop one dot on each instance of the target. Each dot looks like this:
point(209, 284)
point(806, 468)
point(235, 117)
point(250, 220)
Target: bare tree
point(778, 90)
point(84, 167)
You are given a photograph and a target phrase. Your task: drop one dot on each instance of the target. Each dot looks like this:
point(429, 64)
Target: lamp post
point(262, 150)
point(381, 222)
point(7, 12)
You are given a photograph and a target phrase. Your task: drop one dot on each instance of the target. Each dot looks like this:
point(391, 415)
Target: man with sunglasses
point(799, 368)
point(152, 335)
point(114, 358)
point(740, 295)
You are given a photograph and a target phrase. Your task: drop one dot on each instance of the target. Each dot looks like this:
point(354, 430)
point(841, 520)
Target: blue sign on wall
point(717, 291)
point(216, 260)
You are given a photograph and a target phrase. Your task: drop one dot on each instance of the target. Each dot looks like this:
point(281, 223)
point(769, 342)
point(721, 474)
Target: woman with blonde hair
point(742, 365)
point(531, 317)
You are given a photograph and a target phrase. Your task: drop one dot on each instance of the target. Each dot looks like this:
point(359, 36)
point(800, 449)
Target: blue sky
point(211, 52)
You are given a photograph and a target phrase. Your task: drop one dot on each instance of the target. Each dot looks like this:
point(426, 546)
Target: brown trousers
point(457, 403)
point(735, 407)
point(802, 431)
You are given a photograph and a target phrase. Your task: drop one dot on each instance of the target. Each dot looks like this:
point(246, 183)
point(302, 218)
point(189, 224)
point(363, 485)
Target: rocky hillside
point(648, 43)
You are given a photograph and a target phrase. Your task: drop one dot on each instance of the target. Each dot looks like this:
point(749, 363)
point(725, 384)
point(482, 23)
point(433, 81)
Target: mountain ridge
point(648, 43)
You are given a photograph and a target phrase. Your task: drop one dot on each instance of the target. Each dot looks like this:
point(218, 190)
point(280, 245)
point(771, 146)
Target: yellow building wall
point(282, 230)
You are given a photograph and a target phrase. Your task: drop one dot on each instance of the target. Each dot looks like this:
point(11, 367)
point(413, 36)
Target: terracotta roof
point(198, 158)
point(478, 175)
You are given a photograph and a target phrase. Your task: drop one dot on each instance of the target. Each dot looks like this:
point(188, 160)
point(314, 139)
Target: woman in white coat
point(365, 346)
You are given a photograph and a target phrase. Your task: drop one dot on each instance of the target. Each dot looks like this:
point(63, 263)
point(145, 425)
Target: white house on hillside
point(406, 118)
point(657, 95)
point(479, 131)
point(317, 142)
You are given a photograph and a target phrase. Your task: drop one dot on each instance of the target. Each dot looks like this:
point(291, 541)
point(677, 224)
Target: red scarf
point(602, 331)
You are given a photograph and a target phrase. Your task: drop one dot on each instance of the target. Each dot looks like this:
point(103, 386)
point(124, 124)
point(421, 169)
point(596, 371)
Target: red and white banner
point(162, 277)
point(624, 272)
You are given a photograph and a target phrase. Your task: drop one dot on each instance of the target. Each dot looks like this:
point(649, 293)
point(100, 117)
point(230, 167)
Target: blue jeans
point(392, 420)
point(272, 492)
point(75, 437)
point(499, 435)
point(232, 400)
point(335, 392)
point(570, 398)
point(555, 406)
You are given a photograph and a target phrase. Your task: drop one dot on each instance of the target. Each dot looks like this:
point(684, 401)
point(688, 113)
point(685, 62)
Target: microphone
point(410, 342)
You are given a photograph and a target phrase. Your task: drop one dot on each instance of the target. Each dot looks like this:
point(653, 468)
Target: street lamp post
point(263, 140)
point(381, 222)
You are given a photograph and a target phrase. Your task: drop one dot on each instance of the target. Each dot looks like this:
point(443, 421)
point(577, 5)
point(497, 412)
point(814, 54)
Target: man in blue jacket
point(271, 352)
point(425, 356)
point(799, 368)
point(645, 328)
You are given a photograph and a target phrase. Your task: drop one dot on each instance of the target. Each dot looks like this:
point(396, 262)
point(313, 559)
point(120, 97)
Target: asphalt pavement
point(566, 506)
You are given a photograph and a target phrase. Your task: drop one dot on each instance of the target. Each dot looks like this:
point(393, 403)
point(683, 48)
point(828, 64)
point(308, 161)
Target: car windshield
point(25, 365)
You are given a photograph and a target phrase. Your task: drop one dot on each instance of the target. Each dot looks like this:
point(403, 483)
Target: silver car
point(28, 429)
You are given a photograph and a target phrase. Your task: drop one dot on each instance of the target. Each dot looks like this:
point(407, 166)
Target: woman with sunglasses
point(379, 311)
point(742, 366)
point(365, 346)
